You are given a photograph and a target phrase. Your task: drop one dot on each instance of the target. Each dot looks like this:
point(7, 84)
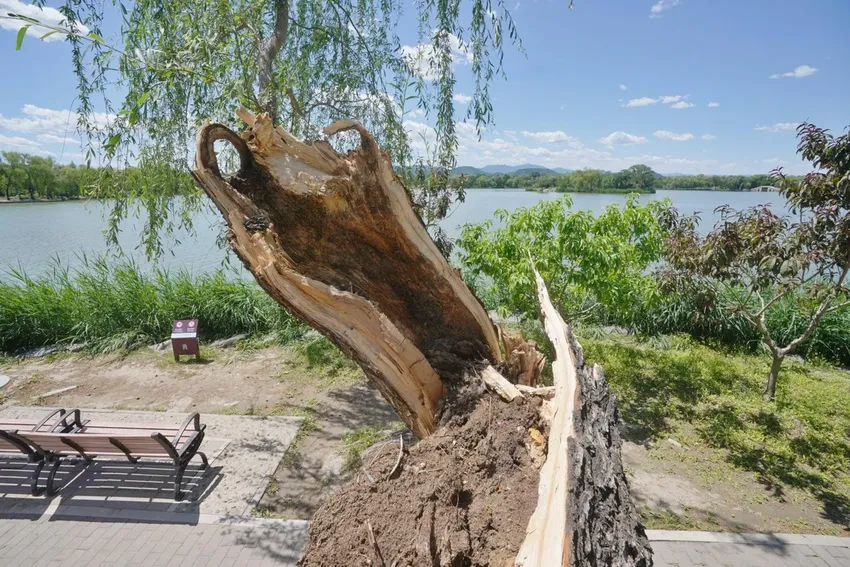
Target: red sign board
point(184, 338)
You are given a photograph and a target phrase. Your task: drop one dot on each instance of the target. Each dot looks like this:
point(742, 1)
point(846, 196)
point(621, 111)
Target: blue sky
point(693, 86)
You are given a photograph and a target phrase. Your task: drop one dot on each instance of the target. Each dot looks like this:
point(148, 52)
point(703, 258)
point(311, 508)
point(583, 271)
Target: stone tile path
point(691, 549)
point(50, 542)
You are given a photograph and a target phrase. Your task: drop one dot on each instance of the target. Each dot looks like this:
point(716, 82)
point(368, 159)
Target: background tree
point(589, 262)
point(40, 177)
point(756, 258)
point(14, 177)
point(641, 176)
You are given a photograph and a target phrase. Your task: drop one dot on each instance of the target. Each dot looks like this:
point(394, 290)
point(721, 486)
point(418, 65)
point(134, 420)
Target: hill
point(536, 169)
point(467, 170)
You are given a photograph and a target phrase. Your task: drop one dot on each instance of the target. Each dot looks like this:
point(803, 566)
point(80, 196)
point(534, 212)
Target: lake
point(32, 235)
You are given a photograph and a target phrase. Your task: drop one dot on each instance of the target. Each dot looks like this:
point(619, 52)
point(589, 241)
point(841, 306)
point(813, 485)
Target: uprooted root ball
point(461, 497)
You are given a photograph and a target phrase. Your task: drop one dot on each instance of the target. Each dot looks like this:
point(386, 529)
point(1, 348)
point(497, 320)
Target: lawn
point(710, 401)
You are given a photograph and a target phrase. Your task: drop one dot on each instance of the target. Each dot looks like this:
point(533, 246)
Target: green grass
point(357, 441)
point(112, 306)
point(308, 425)
point(800, 440)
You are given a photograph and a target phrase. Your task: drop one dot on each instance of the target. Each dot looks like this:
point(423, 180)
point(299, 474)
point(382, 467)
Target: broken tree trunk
point(584, 514)
point(335, 239)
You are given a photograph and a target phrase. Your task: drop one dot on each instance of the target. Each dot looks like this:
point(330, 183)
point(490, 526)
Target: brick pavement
point(246, 542)
point(48, 541)
point(748, 550)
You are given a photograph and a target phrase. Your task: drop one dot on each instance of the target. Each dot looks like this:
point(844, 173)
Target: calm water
point(33, 234)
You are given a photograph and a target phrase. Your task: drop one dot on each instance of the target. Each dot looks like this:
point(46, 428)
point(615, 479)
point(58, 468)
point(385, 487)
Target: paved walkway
point(689, 549)
point(246, 542)
point(229, 541)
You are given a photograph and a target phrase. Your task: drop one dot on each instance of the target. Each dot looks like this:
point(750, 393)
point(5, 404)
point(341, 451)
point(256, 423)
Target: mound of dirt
point(461, 497)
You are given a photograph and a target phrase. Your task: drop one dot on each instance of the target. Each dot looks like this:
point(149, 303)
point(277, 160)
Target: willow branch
point(268, 52)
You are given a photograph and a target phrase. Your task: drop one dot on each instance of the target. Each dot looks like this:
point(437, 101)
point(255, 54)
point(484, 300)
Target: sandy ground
point(677, 483)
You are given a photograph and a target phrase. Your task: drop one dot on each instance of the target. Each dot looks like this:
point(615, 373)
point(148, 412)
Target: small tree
point(758, 258)
point(590, 263)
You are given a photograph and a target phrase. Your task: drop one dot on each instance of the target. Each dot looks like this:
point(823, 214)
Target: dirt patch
point(461, 497)
point(254, 382)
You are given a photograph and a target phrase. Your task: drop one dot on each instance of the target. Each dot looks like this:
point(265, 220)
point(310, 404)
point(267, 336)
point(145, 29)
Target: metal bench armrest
point(75, 424)
point(194, 419)
point(60, 411)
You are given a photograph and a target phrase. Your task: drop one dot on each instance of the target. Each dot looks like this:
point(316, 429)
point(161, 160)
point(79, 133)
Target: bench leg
point(36, 473)
point(51, 476)
point(178, 480)
point(204, 462)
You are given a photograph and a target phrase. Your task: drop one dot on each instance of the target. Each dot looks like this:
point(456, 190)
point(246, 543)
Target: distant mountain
point(530, 170)
point(525, 168)
point(467, 170)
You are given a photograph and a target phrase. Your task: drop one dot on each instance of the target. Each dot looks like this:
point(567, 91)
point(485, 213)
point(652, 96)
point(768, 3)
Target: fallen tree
point(335, 239)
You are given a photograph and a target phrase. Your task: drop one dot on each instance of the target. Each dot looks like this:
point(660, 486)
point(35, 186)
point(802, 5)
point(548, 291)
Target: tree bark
point(770, 388)
point(584, 514)
point(334, 238)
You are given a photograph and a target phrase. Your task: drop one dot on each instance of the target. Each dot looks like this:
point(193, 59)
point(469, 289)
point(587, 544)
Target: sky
point(684, 86)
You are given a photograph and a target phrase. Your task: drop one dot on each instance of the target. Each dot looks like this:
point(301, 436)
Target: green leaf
point(48, 34)
point(143, 97)
point(21, 33)
point(96, 37)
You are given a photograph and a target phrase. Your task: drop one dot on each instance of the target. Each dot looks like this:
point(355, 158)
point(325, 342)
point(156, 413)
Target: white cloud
point(675, 101)
point(557, 137)
point(622, 138)
point(623, 87)
point(660, 6)
point(779, 127)
point(667, 135)
point(423, 58)
point(54, 139)
point(671, 99)
point(642, 101)
point(50, 16)
point(797, 73)
point(461, 98)
point(708, 137)
point(713, 104)
point(18, 144)
point(37, 120)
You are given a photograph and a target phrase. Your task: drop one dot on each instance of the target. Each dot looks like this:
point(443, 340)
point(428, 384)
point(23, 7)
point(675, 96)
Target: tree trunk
point(770, 388)
point(334, 239)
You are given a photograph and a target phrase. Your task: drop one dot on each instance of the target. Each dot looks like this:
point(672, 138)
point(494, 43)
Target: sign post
point(184, 338)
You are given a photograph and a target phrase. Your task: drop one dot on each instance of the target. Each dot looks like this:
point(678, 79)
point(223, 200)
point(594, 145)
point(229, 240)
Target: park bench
point(131, 441)
point(59, 420)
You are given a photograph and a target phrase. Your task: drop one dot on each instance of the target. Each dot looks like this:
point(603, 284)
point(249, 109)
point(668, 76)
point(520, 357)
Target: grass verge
point(799, 441)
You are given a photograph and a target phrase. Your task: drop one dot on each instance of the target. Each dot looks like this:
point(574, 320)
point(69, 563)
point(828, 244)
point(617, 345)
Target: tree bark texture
point(584, 515)
point(775, 366)
point(334, 239)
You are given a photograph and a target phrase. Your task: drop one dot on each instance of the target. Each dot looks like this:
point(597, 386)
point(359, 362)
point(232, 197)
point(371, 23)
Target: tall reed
point(110, 306)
